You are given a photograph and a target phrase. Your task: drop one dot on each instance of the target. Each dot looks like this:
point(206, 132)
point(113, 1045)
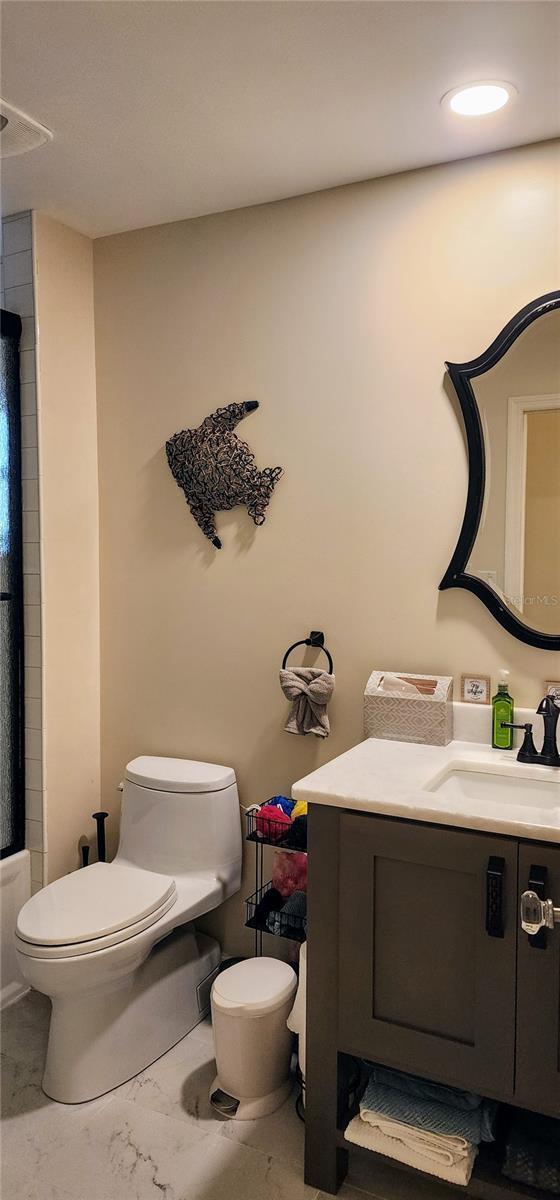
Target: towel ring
point(317, 639)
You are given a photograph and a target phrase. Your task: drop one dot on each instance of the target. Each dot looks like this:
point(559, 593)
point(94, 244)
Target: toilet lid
point(90, 903)
point(258, 985)
point(179, 775)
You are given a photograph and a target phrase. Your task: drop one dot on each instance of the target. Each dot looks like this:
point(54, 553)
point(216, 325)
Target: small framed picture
point(475, 689)
point(552, 688)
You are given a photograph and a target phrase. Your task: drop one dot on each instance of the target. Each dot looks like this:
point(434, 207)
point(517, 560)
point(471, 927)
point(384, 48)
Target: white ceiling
point(163, 110)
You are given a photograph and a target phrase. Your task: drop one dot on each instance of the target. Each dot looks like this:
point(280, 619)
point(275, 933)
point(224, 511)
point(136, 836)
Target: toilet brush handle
point(100, 818)
point(85, 855)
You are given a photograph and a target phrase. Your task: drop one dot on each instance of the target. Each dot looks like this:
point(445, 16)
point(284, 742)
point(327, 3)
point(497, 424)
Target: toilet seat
point(93, 908)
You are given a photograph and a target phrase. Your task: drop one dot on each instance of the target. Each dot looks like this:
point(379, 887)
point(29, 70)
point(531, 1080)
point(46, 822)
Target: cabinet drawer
point(423, 985)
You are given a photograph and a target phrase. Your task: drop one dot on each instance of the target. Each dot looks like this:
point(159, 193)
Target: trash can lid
point(258, 985)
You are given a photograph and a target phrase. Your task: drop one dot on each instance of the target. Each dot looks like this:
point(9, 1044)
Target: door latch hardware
point(537, 914)
point(538, 882)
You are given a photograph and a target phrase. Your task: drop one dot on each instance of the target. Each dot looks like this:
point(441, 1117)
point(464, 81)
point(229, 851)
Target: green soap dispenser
point(502, 710)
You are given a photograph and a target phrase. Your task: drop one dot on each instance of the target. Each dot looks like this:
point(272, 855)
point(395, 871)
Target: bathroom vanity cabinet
point(417, 960)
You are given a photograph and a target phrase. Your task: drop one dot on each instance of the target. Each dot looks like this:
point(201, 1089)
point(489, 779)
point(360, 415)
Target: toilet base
point(102, 1037)
point(248, 1108)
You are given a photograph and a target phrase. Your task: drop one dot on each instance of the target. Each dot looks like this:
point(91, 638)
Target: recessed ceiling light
point(478, 99)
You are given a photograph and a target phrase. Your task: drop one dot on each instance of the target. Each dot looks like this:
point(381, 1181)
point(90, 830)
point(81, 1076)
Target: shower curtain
point(12, 812)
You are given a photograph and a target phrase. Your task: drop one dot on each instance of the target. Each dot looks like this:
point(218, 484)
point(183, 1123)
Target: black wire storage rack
point(265, 831)
point(277, 922)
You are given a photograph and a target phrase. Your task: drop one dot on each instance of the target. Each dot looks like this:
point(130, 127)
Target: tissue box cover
point(426, 718)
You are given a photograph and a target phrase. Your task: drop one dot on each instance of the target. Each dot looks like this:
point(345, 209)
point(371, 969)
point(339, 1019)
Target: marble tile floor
point(156, 1137)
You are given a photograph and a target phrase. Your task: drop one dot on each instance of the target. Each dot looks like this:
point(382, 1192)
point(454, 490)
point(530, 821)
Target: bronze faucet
point(548, 756)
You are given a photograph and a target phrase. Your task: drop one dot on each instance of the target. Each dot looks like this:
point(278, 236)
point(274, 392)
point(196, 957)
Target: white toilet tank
point(180, 816)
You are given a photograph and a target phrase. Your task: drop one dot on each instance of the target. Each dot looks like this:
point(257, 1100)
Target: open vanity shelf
point(486, 1182)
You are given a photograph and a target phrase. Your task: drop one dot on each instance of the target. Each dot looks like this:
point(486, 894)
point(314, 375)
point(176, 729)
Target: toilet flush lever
point(538, 914)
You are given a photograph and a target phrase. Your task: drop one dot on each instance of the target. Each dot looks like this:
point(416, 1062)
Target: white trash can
point(250, 1006)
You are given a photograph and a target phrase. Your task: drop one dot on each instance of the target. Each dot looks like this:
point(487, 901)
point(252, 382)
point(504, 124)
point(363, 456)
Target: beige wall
point(336, 311)
point(67, 424)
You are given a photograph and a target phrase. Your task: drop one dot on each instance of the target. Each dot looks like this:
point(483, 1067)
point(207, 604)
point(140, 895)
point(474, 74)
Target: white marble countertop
point(390, 778)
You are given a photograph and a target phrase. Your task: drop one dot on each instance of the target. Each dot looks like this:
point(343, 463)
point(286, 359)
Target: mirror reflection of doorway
point(541, 581)
point(516, 546)
point(532, 544)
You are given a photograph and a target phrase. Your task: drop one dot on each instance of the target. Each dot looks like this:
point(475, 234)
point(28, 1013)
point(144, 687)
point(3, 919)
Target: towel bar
point(316, 638)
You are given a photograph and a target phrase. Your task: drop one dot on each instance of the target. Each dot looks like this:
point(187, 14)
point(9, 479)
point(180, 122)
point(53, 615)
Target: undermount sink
point(465, 782)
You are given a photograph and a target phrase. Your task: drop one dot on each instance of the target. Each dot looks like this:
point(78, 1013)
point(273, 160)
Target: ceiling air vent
point(19, 133)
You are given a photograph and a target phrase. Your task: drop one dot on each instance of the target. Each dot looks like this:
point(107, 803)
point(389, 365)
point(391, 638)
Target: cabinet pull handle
point(494, 896)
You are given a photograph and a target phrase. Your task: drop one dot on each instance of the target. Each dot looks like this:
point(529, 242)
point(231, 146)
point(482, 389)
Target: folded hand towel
point(309, 690)
point(373, 1139)
point(412, 1085)
point(436, 1146)
point(476, 1126)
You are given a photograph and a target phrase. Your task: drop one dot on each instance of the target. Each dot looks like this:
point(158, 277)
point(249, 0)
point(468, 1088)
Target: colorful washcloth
point(299, 809)
point(433, 1159)
point(271, 823)
point(475, 1125)
point(282, 802)
point(412, 1085)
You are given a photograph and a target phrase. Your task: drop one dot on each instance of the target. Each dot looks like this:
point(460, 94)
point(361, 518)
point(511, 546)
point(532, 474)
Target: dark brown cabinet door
point(423, 985)
point(537, 1073)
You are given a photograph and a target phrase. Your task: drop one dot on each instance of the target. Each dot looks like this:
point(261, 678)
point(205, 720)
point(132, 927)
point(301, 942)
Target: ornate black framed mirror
point(508, 551)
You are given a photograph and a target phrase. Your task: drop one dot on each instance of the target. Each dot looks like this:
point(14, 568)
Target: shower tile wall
point(17, 296)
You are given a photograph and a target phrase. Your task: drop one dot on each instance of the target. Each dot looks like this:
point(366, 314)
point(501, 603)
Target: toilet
point(251, 1002)
point(114, 945)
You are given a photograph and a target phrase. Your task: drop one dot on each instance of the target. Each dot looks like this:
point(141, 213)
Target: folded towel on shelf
point(435, 1146)
point(532, 1154)
point(309, 689)
point(420, 1156)
point(296, 905)
point(423, 1113)
point(412, 1085)
point(289, 916)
